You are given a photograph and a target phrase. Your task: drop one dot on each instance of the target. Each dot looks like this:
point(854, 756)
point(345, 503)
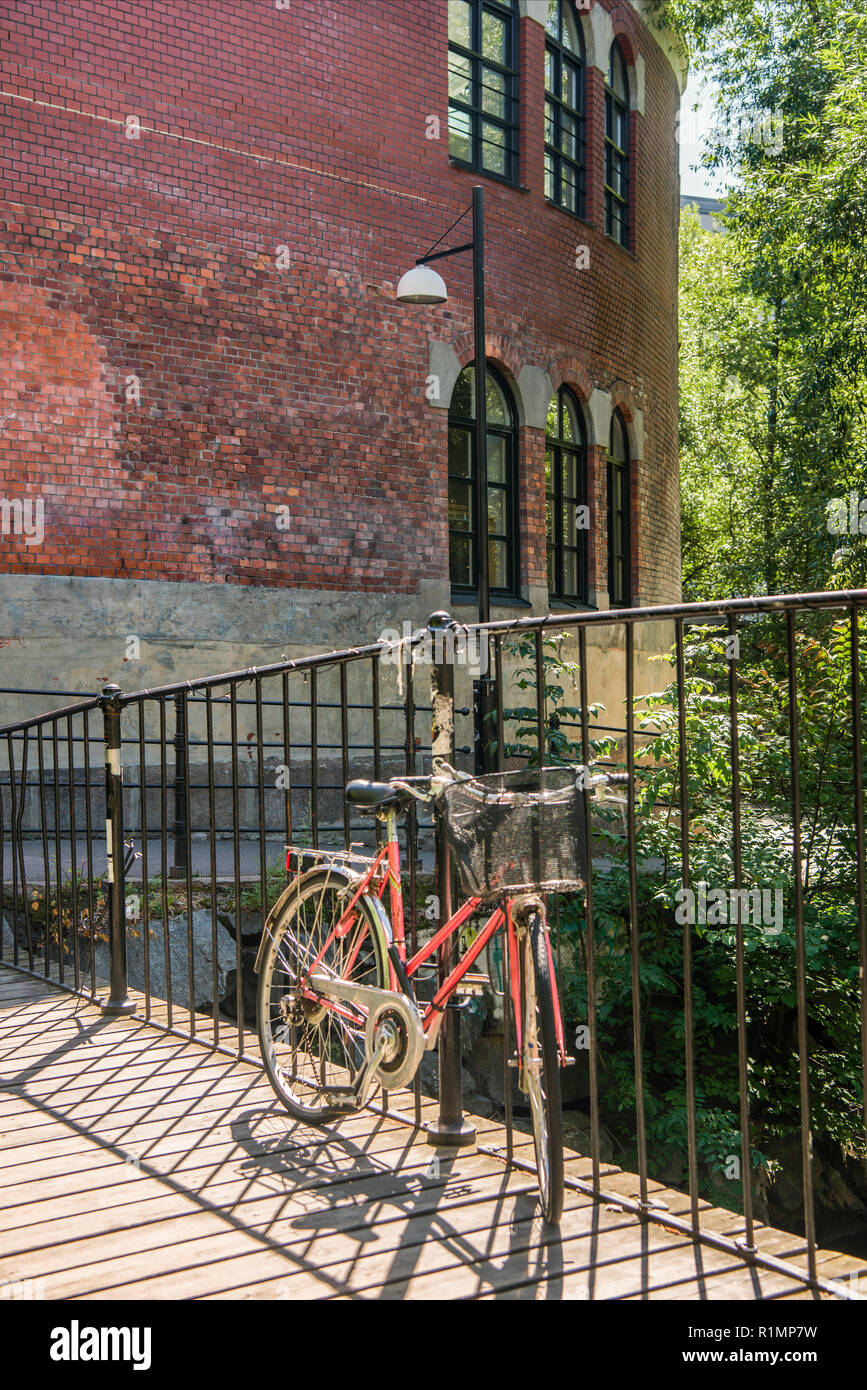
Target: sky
point(698, 183)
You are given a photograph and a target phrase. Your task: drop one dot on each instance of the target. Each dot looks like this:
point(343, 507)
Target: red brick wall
point(154, 259)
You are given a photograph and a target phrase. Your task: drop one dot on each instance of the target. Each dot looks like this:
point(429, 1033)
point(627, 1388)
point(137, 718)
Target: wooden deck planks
point(137, 1164)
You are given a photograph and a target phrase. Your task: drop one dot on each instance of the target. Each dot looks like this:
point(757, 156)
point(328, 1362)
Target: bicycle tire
point(296, 929)
point(540, 1065)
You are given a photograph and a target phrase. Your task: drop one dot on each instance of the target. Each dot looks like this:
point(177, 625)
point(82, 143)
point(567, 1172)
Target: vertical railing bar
point(43, 827)
point(540, 696)
point(508, 1117)
point(164, 850)
point(88, 831)
point(58, 850)
point(260, 791)
point(15, 851)
point(145, 825)
point(377, 732)
point(858, 768)
point(641, 1133)
point(344, 752)
point(801, 954)
point(70, 761)
point(592, 1021)
point(411, 831)
point(236, 842)
point(185, 831)
point(212, 842)
point(287, 759)
point(314, 758)
point(688, 1001)
point(737, 866)
point(3, 877)
point(500, 692)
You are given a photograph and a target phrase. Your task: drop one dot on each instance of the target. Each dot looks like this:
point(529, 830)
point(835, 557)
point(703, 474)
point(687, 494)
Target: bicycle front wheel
point(310, 1045)
point(540, 1064)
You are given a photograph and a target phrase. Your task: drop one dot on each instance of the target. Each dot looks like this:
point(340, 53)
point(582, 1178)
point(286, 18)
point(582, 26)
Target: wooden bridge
point(137, 1164)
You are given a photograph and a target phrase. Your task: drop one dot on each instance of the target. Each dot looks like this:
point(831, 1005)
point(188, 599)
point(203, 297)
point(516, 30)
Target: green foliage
point(770, 948)
point(773, 314)
point(561, 736)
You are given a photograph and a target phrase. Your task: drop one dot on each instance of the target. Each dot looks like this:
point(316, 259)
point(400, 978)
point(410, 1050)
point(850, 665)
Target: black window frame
point(509, 433)
point(506, 10)
point(556, 107)
point(555, 501)
point(617, 153)
point(619, 520)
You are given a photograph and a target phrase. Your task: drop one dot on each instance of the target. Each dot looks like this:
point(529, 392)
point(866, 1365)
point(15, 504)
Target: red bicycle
point(337, 1006)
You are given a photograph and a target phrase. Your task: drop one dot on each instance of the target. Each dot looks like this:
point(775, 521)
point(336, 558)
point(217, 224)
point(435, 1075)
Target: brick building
point(221, 433)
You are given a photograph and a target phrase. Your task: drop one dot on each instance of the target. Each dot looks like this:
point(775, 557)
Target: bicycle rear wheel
point(309, 1045)
point(540, 1064)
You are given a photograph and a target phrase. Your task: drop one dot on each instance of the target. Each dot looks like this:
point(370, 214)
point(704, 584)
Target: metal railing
point(723, 763)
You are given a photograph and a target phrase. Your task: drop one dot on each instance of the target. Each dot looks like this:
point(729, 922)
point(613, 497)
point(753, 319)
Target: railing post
point(180, 859)
point(118, 1001)
point(450, 1127)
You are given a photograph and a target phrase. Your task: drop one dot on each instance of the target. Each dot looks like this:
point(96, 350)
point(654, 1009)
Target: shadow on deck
point(136, 1164)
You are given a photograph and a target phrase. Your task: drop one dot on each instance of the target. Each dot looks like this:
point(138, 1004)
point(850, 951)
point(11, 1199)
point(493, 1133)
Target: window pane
point(552, 23)
point(460, 559)
point(494, 38)
point(459, 22)
point(493, 148)
point(460, 506)
point(498, 512)
point(618, 446)
point(463, 404)
point(617, 75)
point(494, 94)
point(568, 136)
point(569, 90)
point(460, 146)
point(460, 452)
point(549, 520)
point(459, 78)
point(550, 67)
point(570, 477)
point(495, 403)
point(549, 177)
point(552, 428)
point(551, 583)
point(570, 572)
point(570, 529)
point(498, 565)
point(570, 428)
point(569, 37)
point(496, 459)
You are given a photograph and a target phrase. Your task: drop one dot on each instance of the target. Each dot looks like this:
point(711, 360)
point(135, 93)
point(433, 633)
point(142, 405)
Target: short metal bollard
point(450, 1128)
point(118, 1001)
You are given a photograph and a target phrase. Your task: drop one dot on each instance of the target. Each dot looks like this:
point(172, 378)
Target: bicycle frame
point(385, 872)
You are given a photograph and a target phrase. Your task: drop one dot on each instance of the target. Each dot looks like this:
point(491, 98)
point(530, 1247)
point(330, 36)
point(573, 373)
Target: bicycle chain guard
point(393, 1028)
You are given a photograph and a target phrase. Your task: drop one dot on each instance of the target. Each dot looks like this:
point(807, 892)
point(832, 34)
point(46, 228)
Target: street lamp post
point(421, 285)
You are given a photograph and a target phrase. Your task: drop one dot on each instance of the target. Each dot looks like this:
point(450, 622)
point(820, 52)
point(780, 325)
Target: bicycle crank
point(393, 1035)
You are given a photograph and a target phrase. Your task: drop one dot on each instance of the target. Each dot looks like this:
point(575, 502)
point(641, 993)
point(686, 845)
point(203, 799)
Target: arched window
point(566, 498)
point(617, 148)
point(564, 107)
point(483, 86)
point(619, 566)
point(502, 489)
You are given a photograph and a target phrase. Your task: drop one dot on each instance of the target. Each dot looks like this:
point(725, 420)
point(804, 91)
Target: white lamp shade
point(421, 285)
